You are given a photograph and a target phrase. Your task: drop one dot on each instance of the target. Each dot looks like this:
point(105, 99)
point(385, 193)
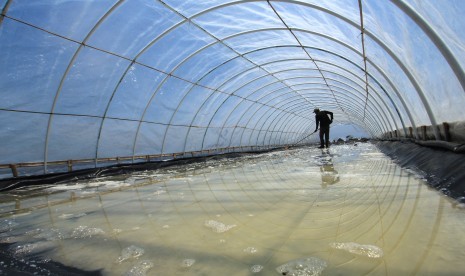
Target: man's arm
point(331, 115)
point(317, 121)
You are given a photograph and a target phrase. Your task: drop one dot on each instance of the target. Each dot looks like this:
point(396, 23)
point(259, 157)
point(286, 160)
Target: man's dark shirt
point(323, 119)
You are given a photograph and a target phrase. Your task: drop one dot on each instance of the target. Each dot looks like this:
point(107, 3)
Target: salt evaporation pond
point(347, 211)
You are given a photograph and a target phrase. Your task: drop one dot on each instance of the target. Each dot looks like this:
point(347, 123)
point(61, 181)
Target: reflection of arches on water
point(329, 175)
point(165, 216)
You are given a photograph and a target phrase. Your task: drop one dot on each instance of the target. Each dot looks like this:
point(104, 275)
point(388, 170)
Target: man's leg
point(327, 137)
point(322, 142)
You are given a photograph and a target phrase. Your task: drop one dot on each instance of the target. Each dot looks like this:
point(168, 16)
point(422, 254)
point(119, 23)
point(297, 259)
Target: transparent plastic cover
point(143, 79)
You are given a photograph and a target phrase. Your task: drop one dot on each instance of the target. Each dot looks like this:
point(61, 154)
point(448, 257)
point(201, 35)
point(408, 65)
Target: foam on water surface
point(140, 269)
point(367, 250)
point(256, 268)
point(83, 231)
point(131, 252)
point(310, 266)
point(218, 227)
point(186, 263)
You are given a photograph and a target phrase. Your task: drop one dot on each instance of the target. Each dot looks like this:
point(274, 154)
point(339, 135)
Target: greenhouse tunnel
point(95, 87)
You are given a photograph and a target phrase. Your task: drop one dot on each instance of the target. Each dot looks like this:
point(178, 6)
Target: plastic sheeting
point(111, 81)
point(444, 170)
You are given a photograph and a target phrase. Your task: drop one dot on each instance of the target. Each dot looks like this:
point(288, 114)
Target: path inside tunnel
point(347, 210)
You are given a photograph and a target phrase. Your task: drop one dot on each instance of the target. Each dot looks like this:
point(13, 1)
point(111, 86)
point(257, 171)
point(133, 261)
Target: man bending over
point(322, 119)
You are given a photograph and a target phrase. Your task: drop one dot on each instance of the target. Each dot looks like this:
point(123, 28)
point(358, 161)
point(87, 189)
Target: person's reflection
point(329, 175)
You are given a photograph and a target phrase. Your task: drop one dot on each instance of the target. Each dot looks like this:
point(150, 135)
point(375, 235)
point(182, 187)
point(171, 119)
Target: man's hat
point(316, 110)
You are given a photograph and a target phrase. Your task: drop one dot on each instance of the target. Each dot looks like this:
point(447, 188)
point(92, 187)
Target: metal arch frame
point(368, 85)
point(213, 91)
point(246, 111)
point(257, 122)
point(193, 119)
point(374, 109)
point(45, 162)
point(303, 130)
point(205, 11)
point(304, 49)
point(153, 95)
point(383, 48)
point(263, 113)
point(358, 114)
point(232, 94)
point(342, 103)
point(290, 101)
point(261, 96)
point(401, 99)
point(266, 103)
point(5, 10)
point(384, 90)
point(284, 80)
point(382, 112)
point(260, 66)
point(274, 136)
point(201, 49)
point(350, 86)
point(435, 38)
point(216, 40)
point(217, 89)
point(415, 84)
point(298, 106)
point(394, 88)
point(315, 77)
point(253, 115)
point(350, 109)
point(208, 45)
point(240, 87)
point(65, 74)
point(355, 89)
point(425, 27)
point(370, 128)
point(281, 127)
point(399, 96)
point(380, 43)
point(346, 59)
point(206, 128)
point(171, 73)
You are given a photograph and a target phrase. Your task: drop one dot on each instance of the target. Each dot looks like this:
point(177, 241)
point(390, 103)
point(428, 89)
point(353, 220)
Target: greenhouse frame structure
point(88, 84)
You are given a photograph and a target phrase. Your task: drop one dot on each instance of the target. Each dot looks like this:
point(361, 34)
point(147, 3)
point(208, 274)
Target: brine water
point(347, 210)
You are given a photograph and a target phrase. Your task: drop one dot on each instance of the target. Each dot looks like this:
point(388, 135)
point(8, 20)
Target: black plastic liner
point(443, 169)
point(34, 266)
